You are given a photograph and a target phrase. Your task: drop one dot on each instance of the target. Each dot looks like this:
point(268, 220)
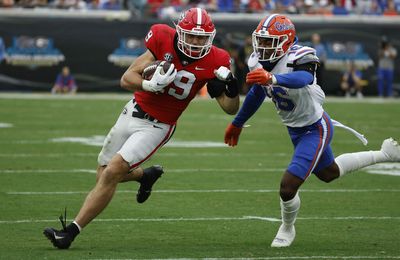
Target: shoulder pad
point(308, 58)
point(296, 52)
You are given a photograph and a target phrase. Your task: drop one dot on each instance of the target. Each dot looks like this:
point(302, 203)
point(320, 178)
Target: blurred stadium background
point(213, 201)
point(99, 39)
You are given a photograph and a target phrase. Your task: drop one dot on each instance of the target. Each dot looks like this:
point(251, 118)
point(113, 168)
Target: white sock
point(289, 210)
point(349, 162)
point(77, 225)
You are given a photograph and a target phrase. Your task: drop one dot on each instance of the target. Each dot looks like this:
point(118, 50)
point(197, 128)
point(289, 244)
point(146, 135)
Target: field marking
point(98, 140)
point(5, 125)
point(161, 154)
point(56, 155)
point(206, 191)
point(124, 96)
point(199, 219)
point(48, 171)
point(259, 258)
point(195, 170)
point(392, 169)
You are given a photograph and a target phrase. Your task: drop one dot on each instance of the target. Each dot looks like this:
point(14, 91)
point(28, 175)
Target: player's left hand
point(223, 73)
point(232, 134)
point(259, 76)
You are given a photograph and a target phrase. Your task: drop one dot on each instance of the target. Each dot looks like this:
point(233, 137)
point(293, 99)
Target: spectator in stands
point(111, 5)
point(352, 82)
point(137, 7)
point(65, 83)
point(321, 53)
point(372, 8)
point(390, 9)
point(2, 49)
point(386, 55)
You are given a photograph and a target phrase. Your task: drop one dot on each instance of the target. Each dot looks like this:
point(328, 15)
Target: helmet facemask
point(269, 47)
point(195, 43)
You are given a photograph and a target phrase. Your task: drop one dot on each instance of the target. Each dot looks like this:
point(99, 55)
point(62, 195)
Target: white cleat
point(391, 149)
point(284, 237)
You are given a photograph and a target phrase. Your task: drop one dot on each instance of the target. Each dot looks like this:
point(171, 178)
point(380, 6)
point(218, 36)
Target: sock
point(349, 162)
point(73, 229)
point(289, 210)
point(77, 225)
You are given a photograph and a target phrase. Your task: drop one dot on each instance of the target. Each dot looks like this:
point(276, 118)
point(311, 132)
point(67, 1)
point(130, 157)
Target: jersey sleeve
point(151, 39)
point(226, 60)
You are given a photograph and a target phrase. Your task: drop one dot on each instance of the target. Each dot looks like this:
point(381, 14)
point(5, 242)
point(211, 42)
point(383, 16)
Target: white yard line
point(199, 219)
point(127, 96)
point(162, 154)
point(262, 258)
point(167, 170)
point(207, 191)
point(45, 155)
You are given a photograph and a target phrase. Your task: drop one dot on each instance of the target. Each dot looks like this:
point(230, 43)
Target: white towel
point(357, 134)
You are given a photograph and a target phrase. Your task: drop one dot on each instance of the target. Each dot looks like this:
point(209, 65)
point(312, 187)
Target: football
point(151, 68)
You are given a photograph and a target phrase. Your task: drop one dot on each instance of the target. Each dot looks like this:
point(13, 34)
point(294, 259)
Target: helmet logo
point(283, 26)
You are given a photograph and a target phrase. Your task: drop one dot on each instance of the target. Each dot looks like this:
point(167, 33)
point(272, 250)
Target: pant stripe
point(166, 138)
point(324, 135)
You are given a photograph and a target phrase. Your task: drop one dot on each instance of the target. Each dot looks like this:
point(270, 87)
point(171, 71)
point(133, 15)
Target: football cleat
point(150, 176)
point(284, 237)
point(59, 238)
point(391, 149)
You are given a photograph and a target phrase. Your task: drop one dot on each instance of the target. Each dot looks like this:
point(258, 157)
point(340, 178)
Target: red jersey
point(190, 78)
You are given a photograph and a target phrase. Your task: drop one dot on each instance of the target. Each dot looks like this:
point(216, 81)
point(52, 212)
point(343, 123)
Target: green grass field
point(212, 202)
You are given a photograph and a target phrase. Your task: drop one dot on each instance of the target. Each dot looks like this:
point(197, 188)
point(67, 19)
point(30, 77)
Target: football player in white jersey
point(285, 72)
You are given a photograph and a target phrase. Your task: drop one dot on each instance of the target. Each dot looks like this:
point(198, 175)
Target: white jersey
point(302, 106)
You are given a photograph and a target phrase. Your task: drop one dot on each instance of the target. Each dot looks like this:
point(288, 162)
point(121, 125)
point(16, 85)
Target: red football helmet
point(196, 33)
point(273, 37)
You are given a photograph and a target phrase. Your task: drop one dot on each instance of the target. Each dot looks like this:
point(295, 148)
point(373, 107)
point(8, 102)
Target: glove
point(232, 134)
point(223, 73)
point(159, 81)
point(259, 76)
point(253, 63)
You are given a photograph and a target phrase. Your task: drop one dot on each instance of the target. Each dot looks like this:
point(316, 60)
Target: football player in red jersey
point(148, 121)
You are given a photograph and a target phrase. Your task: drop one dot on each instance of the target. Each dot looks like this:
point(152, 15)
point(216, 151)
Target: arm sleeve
point(251, 103)
point(151, 39)
point(295, 79)
point(215, 87)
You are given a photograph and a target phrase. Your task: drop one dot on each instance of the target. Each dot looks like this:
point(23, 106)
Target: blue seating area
point(129, 49)
point(339, 53)
point(24, 45)
point(130, 46)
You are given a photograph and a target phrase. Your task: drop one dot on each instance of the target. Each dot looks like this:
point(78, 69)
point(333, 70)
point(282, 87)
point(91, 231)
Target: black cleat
point(150, 176)
point(60, 238)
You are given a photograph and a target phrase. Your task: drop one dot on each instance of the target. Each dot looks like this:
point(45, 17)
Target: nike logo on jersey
point(157, 127)
point(199, 68)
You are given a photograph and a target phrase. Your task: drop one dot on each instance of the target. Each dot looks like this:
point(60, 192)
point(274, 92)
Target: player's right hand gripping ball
point(148, 72)
point(157, 75)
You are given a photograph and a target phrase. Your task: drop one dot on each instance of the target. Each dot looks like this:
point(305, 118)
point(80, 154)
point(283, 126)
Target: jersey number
point(281, 100)
point(183, 85)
